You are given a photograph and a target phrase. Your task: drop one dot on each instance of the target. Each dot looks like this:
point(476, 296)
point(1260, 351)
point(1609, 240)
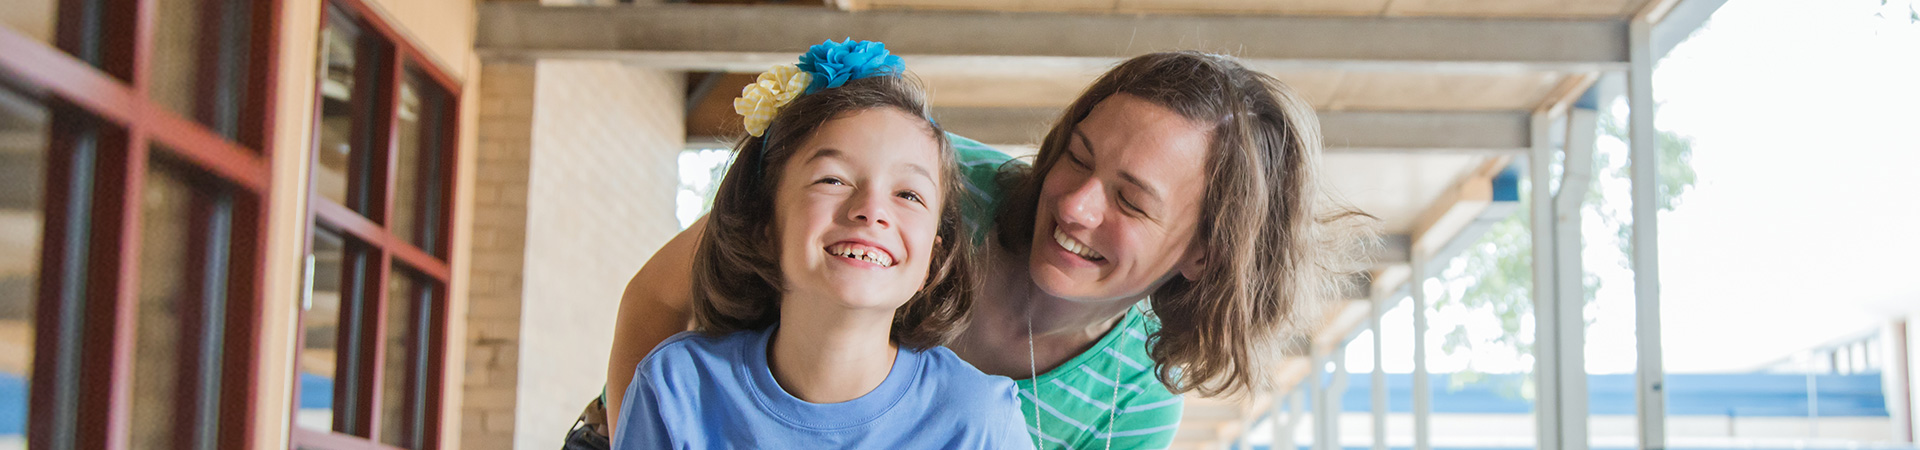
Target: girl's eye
point(829, 180)
point(912, 197)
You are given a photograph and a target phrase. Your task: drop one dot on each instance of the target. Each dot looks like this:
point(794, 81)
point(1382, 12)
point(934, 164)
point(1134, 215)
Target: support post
point(1894, 379)
point(1546, 310)
point(1283, 419)
point(1336, 390)
point(1379, 380)
point(1318, 396)
point(1650, 378)
point(1559, 293)
point(1422, 392)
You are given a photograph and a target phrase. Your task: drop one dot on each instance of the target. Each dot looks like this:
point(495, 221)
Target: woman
point(1182, 179)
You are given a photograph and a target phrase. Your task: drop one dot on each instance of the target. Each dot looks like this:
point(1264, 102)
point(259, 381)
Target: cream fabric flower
point(775, 88)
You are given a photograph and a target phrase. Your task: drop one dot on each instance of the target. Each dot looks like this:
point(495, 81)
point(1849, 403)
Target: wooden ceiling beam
point(716, 38)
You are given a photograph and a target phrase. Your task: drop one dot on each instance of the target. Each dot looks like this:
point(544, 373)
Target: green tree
point(1497, 271)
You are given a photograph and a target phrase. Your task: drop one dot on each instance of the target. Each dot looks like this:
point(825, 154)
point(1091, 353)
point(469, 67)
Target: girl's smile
point(857, 210)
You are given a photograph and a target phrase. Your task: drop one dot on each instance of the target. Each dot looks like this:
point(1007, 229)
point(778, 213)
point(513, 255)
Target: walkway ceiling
point(1422, 102)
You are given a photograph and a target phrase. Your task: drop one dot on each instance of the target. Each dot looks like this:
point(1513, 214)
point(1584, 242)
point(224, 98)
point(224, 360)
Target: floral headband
point(825, 66)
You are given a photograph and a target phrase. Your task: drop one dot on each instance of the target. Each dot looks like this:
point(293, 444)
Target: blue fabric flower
point(835, 63)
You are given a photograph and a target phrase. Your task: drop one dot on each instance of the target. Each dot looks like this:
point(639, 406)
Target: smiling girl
point(833, 266)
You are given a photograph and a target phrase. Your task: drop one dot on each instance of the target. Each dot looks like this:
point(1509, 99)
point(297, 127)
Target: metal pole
point(1379, 381)
point(1422, 394)
point(1651, 399)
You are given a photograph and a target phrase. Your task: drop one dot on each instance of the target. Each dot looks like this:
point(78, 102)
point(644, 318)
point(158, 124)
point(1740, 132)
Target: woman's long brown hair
point(1275, 248)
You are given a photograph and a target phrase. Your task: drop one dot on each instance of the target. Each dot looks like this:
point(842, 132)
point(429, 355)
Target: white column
point(1336, 390)
point(1283, 423)
point(1570, 279)
point(1894, 379)
point(1559, 292)
point(1318, 396)
point(1546, 308)
point(1379, 380)
point(1644, 157)
point(1422, 393)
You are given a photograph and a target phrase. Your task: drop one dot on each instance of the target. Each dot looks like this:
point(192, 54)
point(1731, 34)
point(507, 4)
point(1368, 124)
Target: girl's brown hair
point(736, 273)
point(1273, 251)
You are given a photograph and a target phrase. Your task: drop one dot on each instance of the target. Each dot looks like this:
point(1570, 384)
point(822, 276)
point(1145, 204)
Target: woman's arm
point(653, 309)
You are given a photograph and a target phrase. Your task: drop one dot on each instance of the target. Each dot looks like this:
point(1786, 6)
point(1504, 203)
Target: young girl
point(833, 266)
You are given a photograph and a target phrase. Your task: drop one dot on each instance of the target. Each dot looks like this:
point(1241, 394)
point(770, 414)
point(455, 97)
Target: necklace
point(1033, 380)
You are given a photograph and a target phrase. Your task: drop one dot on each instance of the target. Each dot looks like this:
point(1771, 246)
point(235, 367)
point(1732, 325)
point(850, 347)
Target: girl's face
point(1118, 212)
point(858, 209)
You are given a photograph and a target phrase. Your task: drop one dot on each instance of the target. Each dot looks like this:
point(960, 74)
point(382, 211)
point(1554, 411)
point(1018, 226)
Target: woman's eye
point(1075, 159)
point(829, 180)
point(1124, 203)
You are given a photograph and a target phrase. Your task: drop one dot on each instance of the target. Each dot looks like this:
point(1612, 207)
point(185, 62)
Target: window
point(701, 169)
point(130, 220)
point(374, 309)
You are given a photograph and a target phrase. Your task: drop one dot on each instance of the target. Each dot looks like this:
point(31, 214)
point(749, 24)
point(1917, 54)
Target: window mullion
point(373, 345)
point(112, 296)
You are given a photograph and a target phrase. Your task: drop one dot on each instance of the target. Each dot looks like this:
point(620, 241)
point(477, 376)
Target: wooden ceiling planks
point(1543, 9)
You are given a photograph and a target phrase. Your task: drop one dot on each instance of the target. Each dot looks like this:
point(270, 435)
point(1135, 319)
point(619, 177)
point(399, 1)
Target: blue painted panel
point(1506, 185)
point(13, 405)
point(1739, 395)
point(316, 392)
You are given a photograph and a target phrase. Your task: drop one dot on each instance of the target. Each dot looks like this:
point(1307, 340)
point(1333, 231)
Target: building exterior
point(407, 223)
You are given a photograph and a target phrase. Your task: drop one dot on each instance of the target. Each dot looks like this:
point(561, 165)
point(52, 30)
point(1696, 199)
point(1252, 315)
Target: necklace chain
point(1033, 380)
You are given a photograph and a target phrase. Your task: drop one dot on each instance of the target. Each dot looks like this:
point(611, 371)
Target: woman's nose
point(1084, 205)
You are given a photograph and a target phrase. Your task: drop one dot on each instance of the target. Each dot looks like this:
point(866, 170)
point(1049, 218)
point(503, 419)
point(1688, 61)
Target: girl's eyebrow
point(824, 152)
point(919, 170)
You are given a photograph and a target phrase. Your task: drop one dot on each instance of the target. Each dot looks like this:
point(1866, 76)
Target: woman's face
point(1118, 212)
point(858, 211)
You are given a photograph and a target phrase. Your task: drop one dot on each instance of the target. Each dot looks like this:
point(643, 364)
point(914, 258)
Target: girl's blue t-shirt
point(697, 391)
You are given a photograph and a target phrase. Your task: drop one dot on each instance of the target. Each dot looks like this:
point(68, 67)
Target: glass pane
point(160, 344)
point(419, 190)
point(33, 18)
point(178, 49)
point(342, 152)
point(407, 181)
point(22, 178)
point(320, 333)
point(195, 40)
point(403, 365)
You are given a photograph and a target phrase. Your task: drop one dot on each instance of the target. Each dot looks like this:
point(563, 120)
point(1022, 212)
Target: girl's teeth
point(848, 250)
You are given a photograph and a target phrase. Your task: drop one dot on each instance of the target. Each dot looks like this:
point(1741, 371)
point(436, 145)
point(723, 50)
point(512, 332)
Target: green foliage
point(1498, 270)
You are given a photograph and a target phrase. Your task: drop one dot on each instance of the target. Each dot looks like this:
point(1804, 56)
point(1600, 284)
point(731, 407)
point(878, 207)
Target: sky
point(1804, 225)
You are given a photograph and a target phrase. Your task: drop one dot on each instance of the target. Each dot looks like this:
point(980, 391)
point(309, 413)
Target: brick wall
point(574, 190)
point(606, 141)
point(498, 249)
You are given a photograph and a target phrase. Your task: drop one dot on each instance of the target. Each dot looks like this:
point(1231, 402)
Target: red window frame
point(372, 237)
point(105, 133)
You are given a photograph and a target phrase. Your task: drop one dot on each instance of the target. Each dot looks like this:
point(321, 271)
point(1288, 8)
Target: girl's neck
point(835, 356)
point(1061, 330)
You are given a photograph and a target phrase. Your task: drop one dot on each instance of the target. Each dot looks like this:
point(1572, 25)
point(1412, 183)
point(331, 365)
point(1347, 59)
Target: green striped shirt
point(1079, 405)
